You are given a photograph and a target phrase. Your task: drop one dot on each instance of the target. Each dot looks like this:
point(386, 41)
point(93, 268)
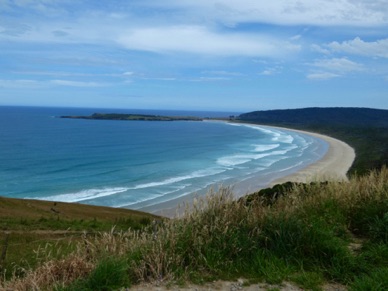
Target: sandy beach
point(333, 166)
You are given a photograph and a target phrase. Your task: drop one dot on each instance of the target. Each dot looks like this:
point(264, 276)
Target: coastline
point(333, 166)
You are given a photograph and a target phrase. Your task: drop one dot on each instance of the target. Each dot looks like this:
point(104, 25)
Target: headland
point(132, 117)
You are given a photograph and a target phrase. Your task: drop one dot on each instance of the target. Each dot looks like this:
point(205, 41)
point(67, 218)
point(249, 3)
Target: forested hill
point(365, 129)
point(320, 116)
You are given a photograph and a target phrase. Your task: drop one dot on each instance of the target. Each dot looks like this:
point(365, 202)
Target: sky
point(230, 55)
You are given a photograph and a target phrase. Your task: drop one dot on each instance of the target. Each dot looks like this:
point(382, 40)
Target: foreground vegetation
point(308, 235)
point(28, 215)
point(30, 227)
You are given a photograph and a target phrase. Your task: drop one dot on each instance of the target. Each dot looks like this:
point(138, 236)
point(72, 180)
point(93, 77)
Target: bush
point(376, 281)
point(110, 273)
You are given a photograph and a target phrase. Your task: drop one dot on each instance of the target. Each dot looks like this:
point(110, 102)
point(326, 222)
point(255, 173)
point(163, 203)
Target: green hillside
point(29, 227)
point(337, 116)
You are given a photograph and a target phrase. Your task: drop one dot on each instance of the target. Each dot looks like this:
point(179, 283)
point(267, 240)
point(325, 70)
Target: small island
point(141, 117)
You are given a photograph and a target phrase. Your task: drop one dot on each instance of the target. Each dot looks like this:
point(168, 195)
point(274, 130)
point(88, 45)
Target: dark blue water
point(135, 164)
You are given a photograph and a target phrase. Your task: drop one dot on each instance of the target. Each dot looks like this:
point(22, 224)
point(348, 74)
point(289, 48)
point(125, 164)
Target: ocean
point(139, 164)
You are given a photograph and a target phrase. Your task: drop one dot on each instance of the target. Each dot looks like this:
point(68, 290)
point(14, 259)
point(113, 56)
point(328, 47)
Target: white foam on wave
point(277, 135)
point(231, 161)
point(268, 163)
point(152, 197)
point(283, 138)
point(238, 159)
point(281, 152)
point(265, 147)
point(90, 194)
point(169, 181)
point(84, 195)
point(165, 199)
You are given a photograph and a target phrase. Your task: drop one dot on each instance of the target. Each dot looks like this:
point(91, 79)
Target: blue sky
point(237, 56)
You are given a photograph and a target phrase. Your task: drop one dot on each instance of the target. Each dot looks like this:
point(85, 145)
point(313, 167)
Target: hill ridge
point(349, 116)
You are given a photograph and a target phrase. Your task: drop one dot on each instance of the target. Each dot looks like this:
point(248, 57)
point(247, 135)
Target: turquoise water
point(135, 164)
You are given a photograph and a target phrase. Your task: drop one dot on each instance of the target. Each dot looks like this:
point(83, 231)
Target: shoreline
point(333, 166)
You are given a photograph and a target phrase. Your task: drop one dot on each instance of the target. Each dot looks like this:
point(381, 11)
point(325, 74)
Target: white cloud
point(357, 46)
point(12, 29)
point(325, 69)
point(223, 73)
point(19, 84)
point(200, 40)
point(76, 83)
point(128, 73)
point(196, 26)
point(338, 65)
point(267, 72)
point(320, 49)
point(51, 8)
point(172, 38)
point(322, 76)
point(271, 71)
point(210, 79)
point(295, 37)
point(318, 12)
point(33, 84)
point(228, 12)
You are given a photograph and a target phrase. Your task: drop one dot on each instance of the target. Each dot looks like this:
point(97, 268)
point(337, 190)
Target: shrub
point(110, 273)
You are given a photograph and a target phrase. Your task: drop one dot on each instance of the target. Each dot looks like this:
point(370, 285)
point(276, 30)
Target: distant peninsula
point(141, 117)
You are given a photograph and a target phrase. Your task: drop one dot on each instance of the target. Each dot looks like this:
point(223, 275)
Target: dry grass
point(54, 273)
point(308, 229)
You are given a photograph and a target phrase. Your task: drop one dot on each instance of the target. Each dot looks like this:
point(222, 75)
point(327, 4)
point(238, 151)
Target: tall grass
point(306, 235)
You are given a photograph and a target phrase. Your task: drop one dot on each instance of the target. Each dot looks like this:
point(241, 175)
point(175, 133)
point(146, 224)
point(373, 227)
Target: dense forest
point(365, 129)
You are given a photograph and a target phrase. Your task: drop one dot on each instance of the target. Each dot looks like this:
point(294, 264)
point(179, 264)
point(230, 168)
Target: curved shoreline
point(333, 166)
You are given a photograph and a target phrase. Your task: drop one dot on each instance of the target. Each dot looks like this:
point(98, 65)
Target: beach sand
point(333, 166)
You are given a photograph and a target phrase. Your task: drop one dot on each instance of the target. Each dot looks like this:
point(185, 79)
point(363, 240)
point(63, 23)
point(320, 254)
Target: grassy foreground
point(31, 228)
point(309, 235)
point(25, 214)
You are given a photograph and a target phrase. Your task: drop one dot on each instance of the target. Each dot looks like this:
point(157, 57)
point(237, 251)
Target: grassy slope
point(334, 232)
point(13, 212)
point(31, 225)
